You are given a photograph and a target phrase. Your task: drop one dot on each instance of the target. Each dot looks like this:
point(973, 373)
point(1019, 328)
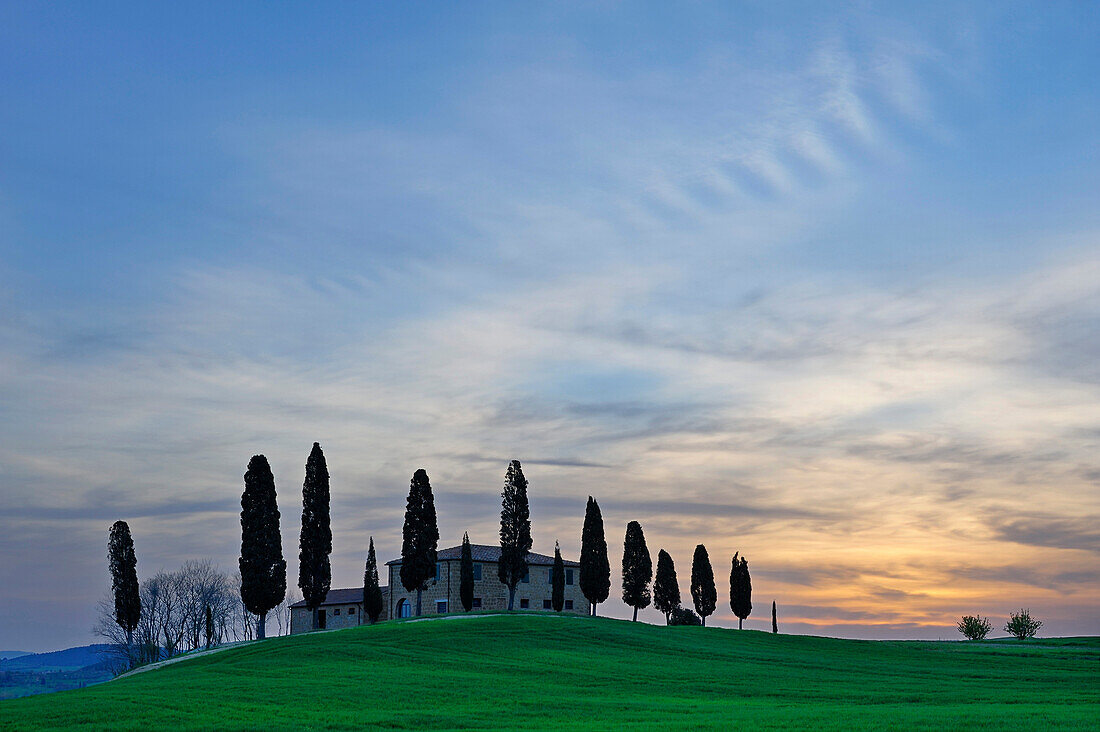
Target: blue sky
point(792, 280)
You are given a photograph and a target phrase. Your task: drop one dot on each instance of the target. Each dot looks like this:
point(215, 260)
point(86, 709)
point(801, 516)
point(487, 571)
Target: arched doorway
point(404, 610)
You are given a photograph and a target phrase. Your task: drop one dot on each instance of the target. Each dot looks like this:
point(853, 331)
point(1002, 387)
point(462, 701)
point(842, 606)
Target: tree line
point(262, 585)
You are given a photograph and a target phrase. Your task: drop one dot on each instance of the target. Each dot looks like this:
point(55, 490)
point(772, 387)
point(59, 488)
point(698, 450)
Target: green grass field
point(524, 672)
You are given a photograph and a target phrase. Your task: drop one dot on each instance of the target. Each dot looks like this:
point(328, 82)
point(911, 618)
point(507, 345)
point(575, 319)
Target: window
point(526, 576)
point(550, 575)
point(568, 604)
point(441, 606)
point(336, 611)
point(475, 603)
point(547, 605)
point(524, 604)
point(438, 570)
point(477, 573)
point(568, 576)
point(351, 611)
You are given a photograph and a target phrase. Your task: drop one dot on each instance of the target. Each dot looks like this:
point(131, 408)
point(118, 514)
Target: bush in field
point(1021, 625)
point(683, 616)
point(975, 627)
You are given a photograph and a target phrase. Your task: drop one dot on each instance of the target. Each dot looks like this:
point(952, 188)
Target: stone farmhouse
point(343, 608)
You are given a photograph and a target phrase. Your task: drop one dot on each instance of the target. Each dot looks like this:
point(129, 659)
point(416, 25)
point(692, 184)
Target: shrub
point(1021, 625)
point(683, 616)
point(975, 627)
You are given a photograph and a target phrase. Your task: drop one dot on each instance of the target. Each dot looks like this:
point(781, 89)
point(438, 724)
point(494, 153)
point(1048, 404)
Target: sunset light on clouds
point(820, 288)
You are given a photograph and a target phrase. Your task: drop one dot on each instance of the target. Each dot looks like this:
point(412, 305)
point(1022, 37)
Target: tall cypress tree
point(209, 626)
point(466, 575)
point(372, 593)
point(666, 589)
point(740, 590)
point(595, 568)
point(263, 568)
point(775, 619)
point(419, 537)
point(703, 592)
point(314, 571)
point(557, 581)
point(124, 582)
point(637, 569)
point(515, 530)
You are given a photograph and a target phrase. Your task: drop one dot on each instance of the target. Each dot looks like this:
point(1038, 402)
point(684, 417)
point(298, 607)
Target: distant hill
point(13, 654)
point(535, 672)
point(70, 659)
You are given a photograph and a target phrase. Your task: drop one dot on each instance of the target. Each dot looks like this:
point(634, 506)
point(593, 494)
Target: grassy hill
point(526, 672)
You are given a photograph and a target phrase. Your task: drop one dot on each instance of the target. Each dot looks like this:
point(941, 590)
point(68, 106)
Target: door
point(320, 619)
point(404, 610)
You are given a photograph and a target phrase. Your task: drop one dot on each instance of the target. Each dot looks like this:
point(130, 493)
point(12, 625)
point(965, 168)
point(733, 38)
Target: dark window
point(475, 603)
point(550, 575)
point(336, 611)
point(351, 611)
point(568, 604)
point(477, 573)
point(568, 576)
point(321, 619)
point(526, 576)
point(524, 604)
point(547, 605)
point(438, 570)
point(441, 606)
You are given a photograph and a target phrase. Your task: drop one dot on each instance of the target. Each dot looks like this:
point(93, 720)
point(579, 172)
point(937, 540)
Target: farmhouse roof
point(490, 553)
point(346, 596)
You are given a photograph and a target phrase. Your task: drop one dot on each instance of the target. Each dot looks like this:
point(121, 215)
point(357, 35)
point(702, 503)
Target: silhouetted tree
point(775, 619)
point(703, 593)
point(1022, 626)
point(466, 575)
point(557, 583)
point(419, 537)
point(637, 569)
point(515, 530)
point(666, 589)
point(595, 569)
point(974, 627)
point(372, 593)
point(683, 616)
point(209, 626)
point(124, 582)
point(740, 590)
point(314, 570)
point(263, 568)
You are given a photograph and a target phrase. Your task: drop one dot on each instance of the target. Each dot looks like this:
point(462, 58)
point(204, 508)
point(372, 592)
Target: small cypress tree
point(314, 570)
point(775, 619)
point(666, 589)
point(740, 590)
point(209, 626)
point(263, 568)
point(557, 583)
point(419, 537)
point(515, 530)
point(466, 575)
point(595, 569)
point(637, 569)
point(124, 582)
point(372, 593)
point(703, 593)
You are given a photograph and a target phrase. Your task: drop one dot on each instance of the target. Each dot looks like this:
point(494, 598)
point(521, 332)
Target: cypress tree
point(557, 583)
point(637, 569)
point(314, 571)
point(703, 592)
point(466, 575)
point(372, 593)
point(595, 569)
point(419, 537)
point(263, 569)
point(740, 590)
point(775, 619)
point(124, 582)
point(666, 589)
point(515, 530)
point(209, 626)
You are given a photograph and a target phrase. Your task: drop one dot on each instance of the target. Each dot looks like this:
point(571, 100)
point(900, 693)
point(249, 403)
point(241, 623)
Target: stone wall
point(350, 615)
point(492, 593)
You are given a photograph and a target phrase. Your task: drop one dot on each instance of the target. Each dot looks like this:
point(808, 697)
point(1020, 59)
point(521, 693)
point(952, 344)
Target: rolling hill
point(524, 672)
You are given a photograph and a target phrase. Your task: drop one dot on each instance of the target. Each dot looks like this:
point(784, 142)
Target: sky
point(816, 283)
